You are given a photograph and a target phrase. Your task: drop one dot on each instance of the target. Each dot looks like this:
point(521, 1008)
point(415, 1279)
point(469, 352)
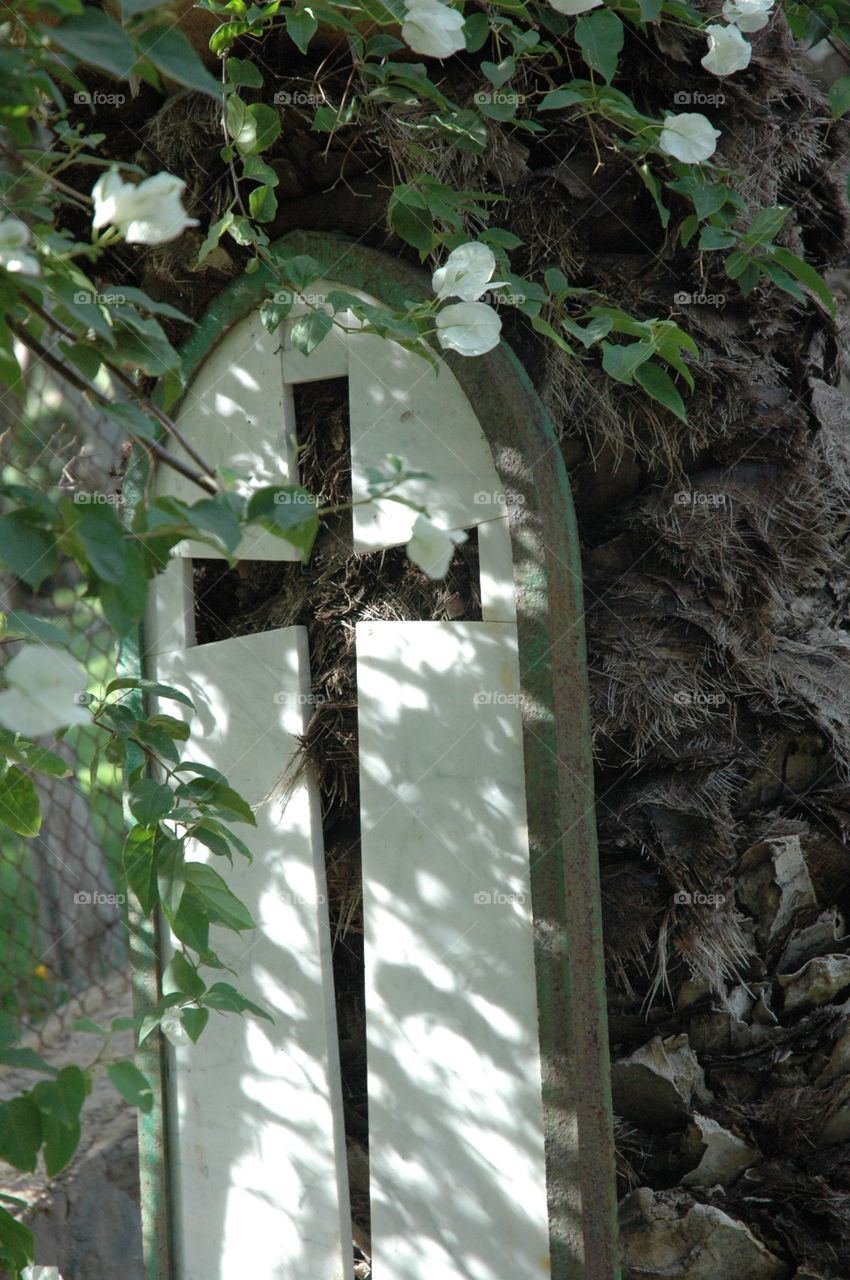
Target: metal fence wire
point(62, 897)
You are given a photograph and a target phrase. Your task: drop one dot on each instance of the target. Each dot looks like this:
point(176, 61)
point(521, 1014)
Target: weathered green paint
point(559, 777)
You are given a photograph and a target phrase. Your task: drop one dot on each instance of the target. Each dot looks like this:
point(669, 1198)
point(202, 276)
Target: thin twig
point(88, 389)
point(146, 403)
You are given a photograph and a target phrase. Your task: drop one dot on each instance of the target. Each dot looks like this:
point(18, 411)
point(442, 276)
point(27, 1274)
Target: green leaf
point(621, 361)
point(194, 1020)
point(102, 535)
point(131, 1084)
point(262, 204)
point(21, 623)
point(97, 40)
point(27, 1059)
point(20, 1133)
point(711, 237)
point(191, 923)
point(839, 96)
point(308, 330)
point(289, 511)
point(222, 995)
point(266, 128)
point(215, 895)
point(600, 37)
point(301, 26)
point(41, 759)
point(140, 868)
point(650, 10)
point(150, 801)
point(63, 1097)
point(181, 976)
point(60, 1143)
point(28, 550)
point(20, 809)
point(17, 1246)
point(242, 72)
point(557, 99)
point(807, 276)
point(173, 56)
point(660, 386)
point(124, 602)
point(150, 686)
point(411, 219)
point(766, 223)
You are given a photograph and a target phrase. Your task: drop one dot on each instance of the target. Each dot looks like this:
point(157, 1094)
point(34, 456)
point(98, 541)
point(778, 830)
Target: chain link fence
point(63, 927)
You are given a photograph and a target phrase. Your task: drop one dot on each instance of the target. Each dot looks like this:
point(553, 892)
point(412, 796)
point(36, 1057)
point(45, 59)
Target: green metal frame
point(559, 778)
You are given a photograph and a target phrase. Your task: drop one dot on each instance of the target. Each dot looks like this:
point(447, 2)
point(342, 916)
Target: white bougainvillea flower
point(747, 15)
point(470, 328)
point(40, 1273)
point(431, 547)
point(466, 273)
point(14, 237)
point(728, 51)
point(575, 6)
point(46, 691)
point(171, 1026)
point(689, 137)
point(432, 28)
point(150, 213)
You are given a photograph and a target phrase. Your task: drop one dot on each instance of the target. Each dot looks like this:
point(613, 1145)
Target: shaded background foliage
point(716, 573)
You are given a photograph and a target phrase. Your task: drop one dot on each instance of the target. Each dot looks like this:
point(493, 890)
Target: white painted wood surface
point(256, 1140)
point(458, 1178)
point(238, 413)
point(402, 404)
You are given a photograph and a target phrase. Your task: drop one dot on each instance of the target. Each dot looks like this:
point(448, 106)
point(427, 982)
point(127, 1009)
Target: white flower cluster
point(150, 213)
point(469, 327)
point(689, 136)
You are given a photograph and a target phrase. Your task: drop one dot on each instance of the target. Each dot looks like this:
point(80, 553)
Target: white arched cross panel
point(475, 1102)
point(239, 413)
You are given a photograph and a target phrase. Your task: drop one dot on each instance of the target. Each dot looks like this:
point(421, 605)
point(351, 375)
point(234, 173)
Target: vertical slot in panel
point(238, 415)
point(458, 1173)
point(256, 1136)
